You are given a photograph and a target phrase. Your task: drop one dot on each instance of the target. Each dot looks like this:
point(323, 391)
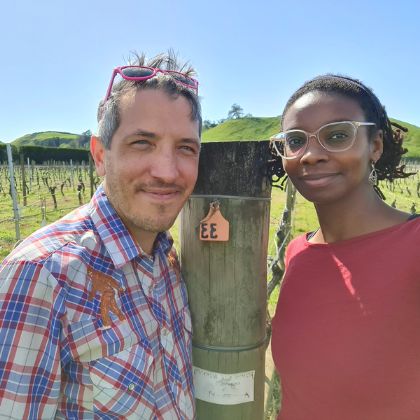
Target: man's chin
point(155, 226)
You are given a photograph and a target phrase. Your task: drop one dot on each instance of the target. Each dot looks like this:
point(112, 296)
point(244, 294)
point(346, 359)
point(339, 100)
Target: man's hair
point(388, 166)
point(109, 112)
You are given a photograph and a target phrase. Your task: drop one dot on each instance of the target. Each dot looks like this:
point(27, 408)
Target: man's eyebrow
point(191, 140)
point(142, 133)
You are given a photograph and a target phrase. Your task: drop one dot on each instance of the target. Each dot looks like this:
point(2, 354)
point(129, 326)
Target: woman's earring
point(373, 176)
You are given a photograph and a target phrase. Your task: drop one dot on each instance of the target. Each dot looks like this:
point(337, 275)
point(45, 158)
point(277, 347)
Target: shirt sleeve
point(30, 331)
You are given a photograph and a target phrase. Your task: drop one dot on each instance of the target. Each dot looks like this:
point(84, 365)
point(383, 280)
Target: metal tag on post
point(214, 227)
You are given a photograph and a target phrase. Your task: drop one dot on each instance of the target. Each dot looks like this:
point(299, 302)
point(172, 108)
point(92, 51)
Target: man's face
point(152, 164)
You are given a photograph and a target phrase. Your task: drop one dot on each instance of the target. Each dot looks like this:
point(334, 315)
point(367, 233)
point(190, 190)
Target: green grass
point(44, 135)
point(411, 139)
point(49, 139)
point(243, 129)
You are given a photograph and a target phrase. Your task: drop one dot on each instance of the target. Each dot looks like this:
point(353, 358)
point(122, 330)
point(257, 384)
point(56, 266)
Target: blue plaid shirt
point(91, 327)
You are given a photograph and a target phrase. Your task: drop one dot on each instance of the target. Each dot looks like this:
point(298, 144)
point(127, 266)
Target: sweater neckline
point(365, 236)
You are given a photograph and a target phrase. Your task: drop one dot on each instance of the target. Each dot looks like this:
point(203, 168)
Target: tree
point(83, 140)
point(235, 112)
point(208, 124)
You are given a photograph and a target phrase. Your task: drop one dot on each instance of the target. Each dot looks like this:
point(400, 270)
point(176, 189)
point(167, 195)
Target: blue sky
point(57, 56)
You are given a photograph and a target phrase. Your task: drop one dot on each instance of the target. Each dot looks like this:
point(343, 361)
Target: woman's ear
point(98, 154)
point(377, 146)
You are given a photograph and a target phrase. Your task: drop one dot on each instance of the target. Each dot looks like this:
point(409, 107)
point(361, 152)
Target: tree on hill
point(83, 140)
point(235, 112)
point(208, 124)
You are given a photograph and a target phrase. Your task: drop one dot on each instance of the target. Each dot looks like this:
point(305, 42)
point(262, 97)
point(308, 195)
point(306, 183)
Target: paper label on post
point(222, 388)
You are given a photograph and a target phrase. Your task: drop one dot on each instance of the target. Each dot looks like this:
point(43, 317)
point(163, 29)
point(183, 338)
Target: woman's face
point(322, 176)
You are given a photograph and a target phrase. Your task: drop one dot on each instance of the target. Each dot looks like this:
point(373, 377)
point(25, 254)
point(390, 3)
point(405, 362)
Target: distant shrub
point(40, 154)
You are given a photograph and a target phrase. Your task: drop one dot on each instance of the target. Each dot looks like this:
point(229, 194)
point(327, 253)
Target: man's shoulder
point(74, 230)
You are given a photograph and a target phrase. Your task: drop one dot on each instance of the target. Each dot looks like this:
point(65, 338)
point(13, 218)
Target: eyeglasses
point(333, 137)
point(142, 73)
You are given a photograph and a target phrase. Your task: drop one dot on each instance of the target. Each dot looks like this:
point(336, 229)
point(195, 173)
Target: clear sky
point(57, 56)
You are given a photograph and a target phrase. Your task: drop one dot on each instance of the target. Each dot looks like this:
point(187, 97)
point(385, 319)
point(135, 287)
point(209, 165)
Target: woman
point(346, 333)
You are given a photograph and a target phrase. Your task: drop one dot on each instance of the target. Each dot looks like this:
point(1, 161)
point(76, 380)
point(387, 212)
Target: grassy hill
point(254, 128)
point(411, 139)
point(53, 139)
point(250, 128)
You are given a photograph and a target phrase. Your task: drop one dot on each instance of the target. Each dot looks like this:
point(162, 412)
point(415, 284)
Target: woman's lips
point(318, 180)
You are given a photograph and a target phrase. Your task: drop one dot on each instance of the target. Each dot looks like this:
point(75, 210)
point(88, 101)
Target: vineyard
point(44, 193)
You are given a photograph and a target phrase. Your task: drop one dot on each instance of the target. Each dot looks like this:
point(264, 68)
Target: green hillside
point(249, 128)
point(53, 139)
point(411, 139)
point(254, 128)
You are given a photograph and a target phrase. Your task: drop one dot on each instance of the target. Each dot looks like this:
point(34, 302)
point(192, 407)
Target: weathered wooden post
point(24, 187)
point(13, 191)
point(91, 170)
point(226, 280)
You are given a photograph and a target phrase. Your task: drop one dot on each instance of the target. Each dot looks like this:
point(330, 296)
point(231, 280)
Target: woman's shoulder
point(412, 227)
point(298, 243)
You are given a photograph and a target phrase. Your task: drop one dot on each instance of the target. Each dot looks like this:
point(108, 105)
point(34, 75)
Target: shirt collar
point(116, 238)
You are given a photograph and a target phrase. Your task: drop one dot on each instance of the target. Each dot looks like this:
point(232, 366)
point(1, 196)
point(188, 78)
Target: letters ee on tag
point(214, 227)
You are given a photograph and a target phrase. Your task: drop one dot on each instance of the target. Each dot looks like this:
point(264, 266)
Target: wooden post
point(13, 191)
point(91, 182)
point(22, 170)
point(227, 282)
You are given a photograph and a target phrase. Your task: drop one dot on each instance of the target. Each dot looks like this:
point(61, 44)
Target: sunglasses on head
point(142, 73)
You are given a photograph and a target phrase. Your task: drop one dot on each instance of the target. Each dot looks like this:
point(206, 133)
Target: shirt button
point(131, 387)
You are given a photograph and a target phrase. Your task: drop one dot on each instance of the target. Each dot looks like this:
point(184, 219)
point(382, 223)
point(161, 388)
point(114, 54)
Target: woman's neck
point(351, 217)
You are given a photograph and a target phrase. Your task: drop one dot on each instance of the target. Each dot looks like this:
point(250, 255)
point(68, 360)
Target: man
point(94, 321)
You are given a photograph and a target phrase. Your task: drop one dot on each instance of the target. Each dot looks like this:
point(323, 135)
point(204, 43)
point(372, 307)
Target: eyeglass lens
point(145, 72)
point(334, 137)
point(137, 72)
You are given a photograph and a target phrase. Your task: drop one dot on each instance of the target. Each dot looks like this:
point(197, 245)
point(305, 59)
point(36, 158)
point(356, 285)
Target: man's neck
point(145, 240)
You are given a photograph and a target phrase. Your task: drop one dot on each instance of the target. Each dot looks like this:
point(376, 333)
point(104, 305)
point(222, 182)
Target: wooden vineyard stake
point(214, 227)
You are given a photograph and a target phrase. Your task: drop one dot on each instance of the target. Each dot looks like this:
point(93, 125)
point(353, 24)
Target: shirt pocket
point(121, 384)
point(89, 341)
point(118, 361)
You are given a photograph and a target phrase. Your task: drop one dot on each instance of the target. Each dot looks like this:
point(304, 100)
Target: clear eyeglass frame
point(279, 138)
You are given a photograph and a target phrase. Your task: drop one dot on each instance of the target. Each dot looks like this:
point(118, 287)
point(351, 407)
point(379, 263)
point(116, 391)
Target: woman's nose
point(313, 151)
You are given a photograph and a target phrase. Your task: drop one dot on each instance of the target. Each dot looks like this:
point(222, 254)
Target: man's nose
point(164, 166)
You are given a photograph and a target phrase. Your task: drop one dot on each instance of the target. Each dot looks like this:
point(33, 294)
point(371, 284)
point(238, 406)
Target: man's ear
point(97, 151)
point(377, 146)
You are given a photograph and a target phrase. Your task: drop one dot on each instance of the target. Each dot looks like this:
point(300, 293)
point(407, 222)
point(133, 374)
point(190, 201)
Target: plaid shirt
point(71, 351)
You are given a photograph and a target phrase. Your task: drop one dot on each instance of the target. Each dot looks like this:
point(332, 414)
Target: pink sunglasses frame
point(119, 70)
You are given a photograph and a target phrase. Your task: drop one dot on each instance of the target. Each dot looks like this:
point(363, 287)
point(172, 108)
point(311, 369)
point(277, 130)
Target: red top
point(346, 333)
